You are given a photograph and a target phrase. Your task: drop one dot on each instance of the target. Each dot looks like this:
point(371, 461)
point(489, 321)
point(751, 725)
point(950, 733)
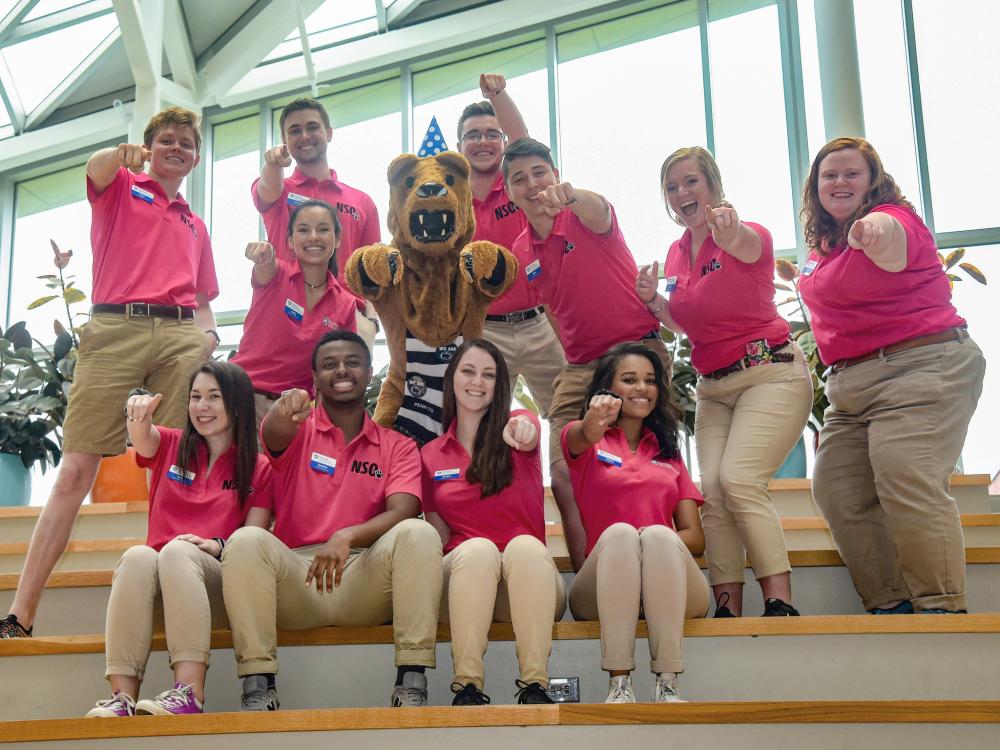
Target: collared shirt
point(322, 485)
point(279, 332)
point(357, 213)
point(147, 247)
point(612, 484)
point(722, 303)
point(587, 282)
point(857, 307)
point(200, 502)
point(499, 220)
point(516, 510)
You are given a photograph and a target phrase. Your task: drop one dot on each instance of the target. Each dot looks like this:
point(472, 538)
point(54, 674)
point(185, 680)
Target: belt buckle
point(136, 308)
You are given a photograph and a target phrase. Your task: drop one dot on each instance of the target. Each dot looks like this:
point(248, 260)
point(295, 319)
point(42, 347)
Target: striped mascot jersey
point(419, 415)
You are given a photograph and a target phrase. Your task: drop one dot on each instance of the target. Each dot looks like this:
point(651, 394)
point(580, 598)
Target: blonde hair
point(173, 116)
point(821, 230)
point(706, 163)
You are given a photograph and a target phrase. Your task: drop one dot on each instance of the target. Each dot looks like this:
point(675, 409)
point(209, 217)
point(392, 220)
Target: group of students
point(344, 493)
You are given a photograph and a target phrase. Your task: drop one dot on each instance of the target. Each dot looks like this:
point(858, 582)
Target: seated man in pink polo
point(347, 548)
point(151, 324)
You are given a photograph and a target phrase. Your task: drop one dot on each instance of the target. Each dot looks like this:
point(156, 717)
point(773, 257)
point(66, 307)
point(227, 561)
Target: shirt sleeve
point(113, 192)
point(165, 451)
point(918, 236)
point(261, 206)
point(291, 454)
point(371, 232)
point(208, 283)
point(579, 460)
point(404, 469)
point(686, 489)
point(263, 486)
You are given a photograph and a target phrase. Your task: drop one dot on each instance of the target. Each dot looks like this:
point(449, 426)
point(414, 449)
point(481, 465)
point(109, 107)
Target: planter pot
point(120, 480)
point(795, 463)
point(15, 481)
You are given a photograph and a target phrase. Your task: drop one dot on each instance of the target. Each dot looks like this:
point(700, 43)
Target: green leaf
point(953, 277)
point(64, 342)
point(973, 272)
point(74, 295)
point(953, 257)
point(49, 276)
point(782, 287)
point(42, 300)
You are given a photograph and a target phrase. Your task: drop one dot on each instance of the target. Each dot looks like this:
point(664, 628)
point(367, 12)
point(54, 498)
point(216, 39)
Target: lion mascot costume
point(431, 288)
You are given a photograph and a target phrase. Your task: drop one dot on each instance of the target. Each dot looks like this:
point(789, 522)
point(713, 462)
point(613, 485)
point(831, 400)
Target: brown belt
point(952, 334)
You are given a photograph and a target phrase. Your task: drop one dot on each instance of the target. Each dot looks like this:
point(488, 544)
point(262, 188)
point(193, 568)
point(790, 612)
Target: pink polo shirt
point(516, 510)
point(322, 485)
point(200, 502)
point(587, 282)
point(279, 332)
point(614, 485)
point(722, 304)
point(499, 220)
point(857, 308)
point(147, 247)
point(357, 213)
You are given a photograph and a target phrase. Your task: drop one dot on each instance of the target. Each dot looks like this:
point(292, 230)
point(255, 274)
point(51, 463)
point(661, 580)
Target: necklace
point(314, 286)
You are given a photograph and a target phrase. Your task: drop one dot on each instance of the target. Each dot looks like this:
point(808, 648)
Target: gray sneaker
point(257, 696)
point(413, 691)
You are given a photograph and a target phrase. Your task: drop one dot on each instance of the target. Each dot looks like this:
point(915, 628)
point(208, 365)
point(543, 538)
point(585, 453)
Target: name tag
point(609, 458)
point(295, 199)
point(446, 474)
point(294, 311)
point(809, 267)
point(671, 283)
point(323, 464)
point(143, 195)
point(533, 269)
point(184, 477)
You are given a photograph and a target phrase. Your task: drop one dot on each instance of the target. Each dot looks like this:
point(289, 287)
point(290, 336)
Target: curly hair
point(822, 231)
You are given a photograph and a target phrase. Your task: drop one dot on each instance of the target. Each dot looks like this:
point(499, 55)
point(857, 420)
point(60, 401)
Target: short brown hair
point(173, 116)
point(525, 147)
point(706, 163)
point(476, 109)
point(822, 231)
point(303, 102)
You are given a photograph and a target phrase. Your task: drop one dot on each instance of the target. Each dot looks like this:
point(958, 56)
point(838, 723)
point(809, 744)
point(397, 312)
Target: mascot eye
point(410, 180)
point(450, 179)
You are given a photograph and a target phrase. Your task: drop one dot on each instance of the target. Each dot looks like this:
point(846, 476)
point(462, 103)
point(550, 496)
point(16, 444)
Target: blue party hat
point(433, 142)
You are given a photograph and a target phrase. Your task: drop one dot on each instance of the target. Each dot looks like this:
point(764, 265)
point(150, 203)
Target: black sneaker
point(721, 610)
point(468, 695)
point(778, 608)
point(531, 693)
point(11, 628)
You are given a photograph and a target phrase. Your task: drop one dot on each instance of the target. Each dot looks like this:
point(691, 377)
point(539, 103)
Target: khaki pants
point(530, 349)
point(571, 389)
point(118, 354)
point(397, 580)
point(190, 583)
point(745, 425)
point(628, 568)
point(889, 444)
point(519, 585)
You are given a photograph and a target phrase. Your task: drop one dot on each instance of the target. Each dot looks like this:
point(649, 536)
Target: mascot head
point(431, 202)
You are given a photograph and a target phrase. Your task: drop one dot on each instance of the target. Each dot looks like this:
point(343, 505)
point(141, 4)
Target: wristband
point(222, 545)
point(658, 310)
point(218, 338)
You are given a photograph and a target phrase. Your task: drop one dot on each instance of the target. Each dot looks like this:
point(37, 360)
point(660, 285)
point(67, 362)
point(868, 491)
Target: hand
point(294, 404)
point(601, 413)
point(133, 157)
point(723, 223)
point(646, 281)
point(865, 233)
point(520, 433)
point(62, 258)
point(556, 197)
point(210, 546)
point(278, 156)
point(491, 84)
point(259, 252)
point(140, 408)
point(328, 564)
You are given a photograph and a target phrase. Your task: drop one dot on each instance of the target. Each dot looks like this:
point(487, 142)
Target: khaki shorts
point(571, 389)
point(117, 355)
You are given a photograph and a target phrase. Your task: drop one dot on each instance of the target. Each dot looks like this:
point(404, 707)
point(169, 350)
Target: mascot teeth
point(432, 226)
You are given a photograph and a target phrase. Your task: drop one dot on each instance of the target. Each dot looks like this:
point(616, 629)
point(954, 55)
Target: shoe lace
point(257, 700)
point(664, 687)
point(526, 689)
point(118, 701)
point(470, 691)
point(779, 607)
point(621, 687)
point(176, 697)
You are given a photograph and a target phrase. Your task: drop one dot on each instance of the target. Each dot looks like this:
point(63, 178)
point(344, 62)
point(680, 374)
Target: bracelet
point(218, 338)
point(222, 545)
point(658, 310)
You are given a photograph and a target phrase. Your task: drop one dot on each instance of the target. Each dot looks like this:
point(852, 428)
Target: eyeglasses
point(474, 136)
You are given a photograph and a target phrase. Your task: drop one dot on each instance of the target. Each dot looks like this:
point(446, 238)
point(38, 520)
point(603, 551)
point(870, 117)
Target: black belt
point(768, 355)
point(145, 310)
point(517, 316)
point(651, 335)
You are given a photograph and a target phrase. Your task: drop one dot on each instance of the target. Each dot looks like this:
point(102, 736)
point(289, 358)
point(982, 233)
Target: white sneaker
point(413, 691)
point(666, 689)
point(118, 705)
point(620, 690)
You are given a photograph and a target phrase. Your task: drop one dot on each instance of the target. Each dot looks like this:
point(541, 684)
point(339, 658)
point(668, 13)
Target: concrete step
point(80, 554)
point(694, 726)
point(97, 521)
point(76, 601)
point(808, 658)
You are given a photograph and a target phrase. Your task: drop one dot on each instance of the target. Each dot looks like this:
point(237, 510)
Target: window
point(616, 127)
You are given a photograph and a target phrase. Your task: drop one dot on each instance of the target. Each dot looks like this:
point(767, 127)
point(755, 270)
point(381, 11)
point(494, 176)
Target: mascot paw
point(488, 266)
point(380, 266)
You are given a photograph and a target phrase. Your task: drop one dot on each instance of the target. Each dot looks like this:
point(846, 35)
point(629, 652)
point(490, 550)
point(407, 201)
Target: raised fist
point(491, 84)
point(603, 410)
point(294, 404)
point(865, 232)
point(520, 433)
point(556, 197)
point(259, 252)
point(278, 155)
point(723, 223)
point(133, 157)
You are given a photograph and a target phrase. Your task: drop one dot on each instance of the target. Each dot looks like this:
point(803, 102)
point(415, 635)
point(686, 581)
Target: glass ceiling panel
point(338, 12)
point(39, 65)
point(353, 29)
point(46, 7)
point(4, 117)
